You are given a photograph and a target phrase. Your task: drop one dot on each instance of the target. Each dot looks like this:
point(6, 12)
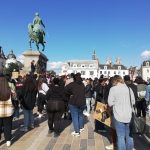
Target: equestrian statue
point(36, 33)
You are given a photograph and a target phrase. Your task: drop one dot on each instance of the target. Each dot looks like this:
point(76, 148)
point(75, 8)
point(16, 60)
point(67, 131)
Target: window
point(147, 63)
point(74, 65)
point(105, 72)
point(71, 65)
point(82, 72)
point(74, 71)
point(82, 65)
point(119, 72)
point(101, 72)
point(91, 72)
point(123, 73)
point(119, 68)
point(147, 70)
point(78, 65)
point(105, 67)
point(114, 72)
point(91, 65)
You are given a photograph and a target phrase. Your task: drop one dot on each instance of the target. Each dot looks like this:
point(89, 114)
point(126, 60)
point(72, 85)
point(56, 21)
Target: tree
point(51, 72)
point(11, 67)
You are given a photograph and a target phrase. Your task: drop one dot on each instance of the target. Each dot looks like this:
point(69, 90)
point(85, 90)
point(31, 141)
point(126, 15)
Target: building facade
point(145, 70)
point(94, 69)
point(87, 68)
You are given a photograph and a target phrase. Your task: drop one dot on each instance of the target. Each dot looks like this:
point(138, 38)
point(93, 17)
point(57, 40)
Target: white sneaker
point(40, 115)
point(86, 114)
point(81, 130)
point(109, 147)
point(31, 127)
point(8, 143)
point(75, 134)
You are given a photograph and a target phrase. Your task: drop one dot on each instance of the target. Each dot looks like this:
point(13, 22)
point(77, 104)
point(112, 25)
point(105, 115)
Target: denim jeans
point(124, 141)
point(88, 104)
point(28, 118)
point(77, 117)
point(16, 113)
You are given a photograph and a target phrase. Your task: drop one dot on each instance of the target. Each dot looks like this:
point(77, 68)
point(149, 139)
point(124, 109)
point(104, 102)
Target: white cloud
point(20, 58)
point(145, 54)
point(54, 65)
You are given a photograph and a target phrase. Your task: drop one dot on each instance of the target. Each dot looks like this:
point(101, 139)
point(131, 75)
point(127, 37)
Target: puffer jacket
point(55, 98)
point(76, 93)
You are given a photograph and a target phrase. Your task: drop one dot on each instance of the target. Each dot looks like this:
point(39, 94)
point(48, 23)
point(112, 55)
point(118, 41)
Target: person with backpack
point(141, 102)
point(29, 92)
point(6, 110)
point(12, 85)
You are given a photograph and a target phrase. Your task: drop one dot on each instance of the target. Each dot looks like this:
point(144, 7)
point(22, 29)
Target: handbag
point(6, 108)
point(137, 124)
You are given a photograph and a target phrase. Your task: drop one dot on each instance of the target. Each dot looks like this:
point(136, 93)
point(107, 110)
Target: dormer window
point(119, 67)
point(91, 65)
point(74, 65)
point(82, 65)
point(147, 63)
point(105, 67)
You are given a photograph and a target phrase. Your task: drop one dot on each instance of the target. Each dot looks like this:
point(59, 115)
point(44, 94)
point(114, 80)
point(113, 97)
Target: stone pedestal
point(39, 58)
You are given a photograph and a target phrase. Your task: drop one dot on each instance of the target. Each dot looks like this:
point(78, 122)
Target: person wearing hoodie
point(77, 103)
point(55, 106)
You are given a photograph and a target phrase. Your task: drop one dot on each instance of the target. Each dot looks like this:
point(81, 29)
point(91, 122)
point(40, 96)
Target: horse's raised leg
point(43, 46)
point(37, 46)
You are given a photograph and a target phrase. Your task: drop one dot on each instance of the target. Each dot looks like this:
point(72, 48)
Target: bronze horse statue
point(36, 35)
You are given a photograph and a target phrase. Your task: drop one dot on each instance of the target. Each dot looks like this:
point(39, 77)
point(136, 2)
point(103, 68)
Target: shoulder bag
point(137, 124)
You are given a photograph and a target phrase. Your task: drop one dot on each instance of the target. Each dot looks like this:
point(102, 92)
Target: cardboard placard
point(101, 114)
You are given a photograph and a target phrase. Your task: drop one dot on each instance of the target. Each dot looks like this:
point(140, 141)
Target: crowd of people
point(71, 94)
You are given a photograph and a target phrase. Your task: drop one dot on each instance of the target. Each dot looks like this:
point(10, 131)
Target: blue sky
point(74, 28)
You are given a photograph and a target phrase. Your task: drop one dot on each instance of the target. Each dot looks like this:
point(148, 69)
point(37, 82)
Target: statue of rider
point(37, 22)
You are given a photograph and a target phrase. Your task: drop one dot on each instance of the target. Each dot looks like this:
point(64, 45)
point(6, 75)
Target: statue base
point(39, 58)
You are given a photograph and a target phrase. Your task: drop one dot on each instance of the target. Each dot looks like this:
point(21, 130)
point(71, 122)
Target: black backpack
point(29, 100)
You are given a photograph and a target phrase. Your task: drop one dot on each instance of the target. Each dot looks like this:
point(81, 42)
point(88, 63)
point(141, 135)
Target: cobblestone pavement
point(37, 139)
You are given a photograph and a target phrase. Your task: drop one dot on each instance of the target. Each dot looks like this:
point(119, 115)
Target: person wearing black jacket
point(100, 97)
point(76, 93)
point(55, 106)
point(131, 85)
point(29, 92)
